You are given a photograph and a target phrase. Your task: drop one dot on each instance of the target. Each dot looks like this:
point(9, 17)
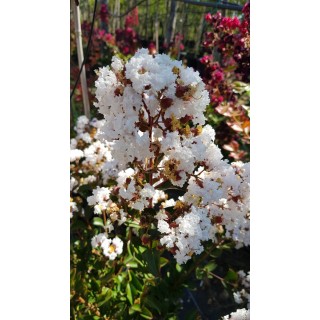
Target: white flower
point(89, 179)
point(168, 203)
point(85, 137)
point(100, 196)
point(75, 154)
point(73, 183)
point(240, 314)
point(237, 297)
point(100, 199)
point(116, 64)
point(82, 121)
point(73, 208)
point(163, 226)
point(97, 240)
point(112, 248)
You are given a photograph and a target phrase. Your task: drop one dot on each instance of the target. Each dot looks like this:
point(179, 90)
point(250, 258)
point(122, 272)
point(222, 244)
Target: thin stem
point(104, 217)
point(222, 280)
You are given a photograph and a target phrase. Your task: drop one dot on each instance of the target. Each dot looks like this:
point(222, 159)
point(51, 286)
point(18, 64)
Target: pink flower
point(100, 33)
point(104, 13)
point(218, 76)
point(208, 17)
point(205, 59)
point(152, 48)
point(235, 23)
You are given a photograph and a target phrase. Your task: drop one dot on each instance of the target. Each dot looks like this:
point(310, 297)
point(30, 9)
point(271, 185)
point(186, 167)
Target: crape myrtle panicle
point(91, 161)
point(170, 172)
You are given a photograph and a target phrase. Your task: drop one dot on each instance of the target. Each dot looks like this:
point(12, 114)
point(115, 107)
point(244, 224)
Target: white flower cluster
point(153, 108)
point(111, 247)
point(130, 95)
point(186, 233)
point(240, 314)
point(100, 199)
point(244, 294)
point(85, 146)
point(90, 159)
point(101, 202)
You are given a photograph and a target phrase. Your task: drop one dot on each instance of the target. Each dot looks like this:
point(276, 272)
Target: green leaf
point(163, 261)
point(106, 295)
point(142, 249)
point(178, 267)
point(132, 264)
point(98, 222)
point(132, 224)
point(129, 293)
point(130, 277)
point(210, 266)
point(152, 261)
point(149, 276)
point(151, 303)
point(135, 282)
point(146, 313)
point(129, 248)
point(136, 308)
point(200, 273)
point(95, 284)
point(231, 276)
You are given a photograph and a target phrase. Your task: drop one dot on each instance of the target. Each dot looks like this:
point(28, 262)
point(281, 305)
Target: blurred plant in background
point(227, 75)
point(175, 47)
point(127, 39)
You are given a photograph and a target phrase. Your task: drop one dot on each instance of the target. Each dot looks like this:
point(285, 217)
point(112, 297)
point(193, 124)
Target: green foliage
point(145, 283)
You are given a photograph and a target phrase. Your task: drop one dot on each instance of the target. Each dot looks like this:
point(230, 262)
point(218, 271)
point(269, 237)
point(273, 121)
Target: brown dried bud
point(173, 225)
point(217, 219)
point(145, 239)
point(236, 198)
point(119, 91)
point(143, 220)
point(142, 71)
point(199, 183)
point(165, 103)
point(167, 122)
point(127, 82)
point(173, 250)
point(176, 70)
point(181, 90)
point(115, 191)
point(155, 147)
point(186, 119)
point(143, 126)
